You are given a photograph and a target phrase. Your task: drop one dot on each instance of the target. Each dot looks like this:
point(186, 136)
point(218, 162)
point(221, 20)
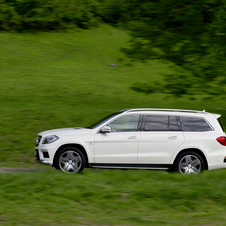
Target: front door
point(120, 146)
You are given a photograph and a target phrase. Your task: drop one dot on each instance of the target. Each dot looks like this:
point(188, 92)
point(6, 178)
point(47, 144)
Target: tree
point(191, 35)
point(30, 15)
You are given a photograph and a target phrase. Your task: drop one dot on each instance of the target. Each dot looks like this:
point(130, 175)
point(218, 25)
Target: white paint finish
point(207, 143)
point(158, 147)
point(118, 147)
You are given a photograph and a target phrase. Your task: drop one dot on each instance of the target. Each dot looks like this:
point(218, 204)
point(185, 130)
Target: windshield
point(99, 122)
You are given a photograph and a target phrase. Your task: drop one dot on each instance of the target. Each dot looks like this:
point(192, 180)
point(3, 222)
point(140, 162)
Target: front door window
point(125, 124)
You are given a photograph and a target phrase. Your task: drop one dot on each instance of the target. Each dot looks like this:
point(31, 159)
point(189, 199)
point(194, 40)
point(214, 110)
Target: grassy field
point(112, 197)
point(55, 80)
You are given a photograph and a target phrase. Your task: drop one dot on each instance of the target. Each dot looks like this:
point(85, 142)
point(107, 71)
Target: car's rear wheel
point(189, 163)
point(70, 160)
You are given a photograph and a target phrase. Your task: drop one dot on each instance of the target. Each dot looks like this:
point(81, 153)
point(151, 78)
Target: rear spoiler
point(216, 115)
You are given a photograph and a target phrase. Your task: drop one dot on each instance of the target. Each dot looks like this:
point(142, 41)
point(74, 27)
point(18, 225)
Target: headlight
point(38, 139)
point(50, 139)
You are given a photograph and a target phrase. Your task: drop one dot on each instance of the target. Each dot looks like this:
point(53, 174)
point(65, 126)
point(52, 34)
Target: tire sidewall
point(180, 156)
point(62, 151)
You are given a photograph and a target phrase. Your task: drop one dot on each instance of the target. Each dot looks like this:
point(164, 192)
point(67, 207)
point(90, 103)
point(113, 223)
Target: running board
point(131, 166)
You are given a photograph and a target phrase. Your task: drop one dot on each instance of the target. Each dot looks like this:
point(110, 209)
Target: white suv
point(175, 140)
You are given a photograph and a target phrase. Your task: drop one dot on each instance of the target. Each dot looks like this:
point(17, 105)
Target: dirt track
point(17, 170)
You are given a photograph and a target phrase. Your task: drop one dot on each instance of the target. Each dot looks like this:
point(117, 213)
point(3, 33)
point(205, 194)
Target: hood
point(65, 131)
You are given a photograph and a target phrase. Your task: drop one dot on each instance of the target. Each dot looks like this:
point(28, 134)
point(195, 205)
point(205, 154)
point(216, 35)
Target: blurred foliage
point(27, 15)
point(118, 12)
point(22, 15)
point(189, 34)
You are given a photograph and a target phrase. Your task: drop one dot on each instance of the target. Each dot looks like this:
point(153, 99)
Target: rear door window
point(161, 123)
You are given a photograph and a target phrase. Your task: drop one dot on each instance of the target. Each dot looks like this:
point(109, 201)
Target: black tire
point(189, 162)
point(70, 160)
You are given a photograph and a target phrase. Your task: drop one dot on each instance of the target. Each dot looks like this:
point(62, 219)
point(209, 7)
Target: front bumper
point(42, 156)
point(43, 162)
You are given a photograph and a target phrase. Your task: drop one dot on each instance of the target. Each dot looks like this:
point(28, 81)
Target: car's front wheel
point(70, 160)
point(189, 163)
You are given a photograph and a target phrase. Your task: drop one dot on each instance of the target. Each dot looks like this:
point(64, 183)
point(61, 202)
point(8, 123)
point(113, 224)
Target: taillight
point(222, 140)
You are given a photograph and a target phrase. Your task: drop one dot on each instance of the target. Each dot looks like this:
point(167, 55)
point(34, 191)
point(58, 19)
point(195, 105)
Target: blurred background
point(68, 63)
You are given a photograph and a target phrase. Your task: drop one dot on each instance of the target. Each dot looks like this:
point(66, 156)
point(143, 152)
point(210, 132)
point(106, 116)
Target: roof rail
point(162, 109)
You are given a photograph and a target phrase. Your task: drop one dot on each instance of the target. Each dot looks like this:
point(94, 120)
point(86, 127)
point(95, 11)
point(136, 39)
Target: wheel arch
point(78, 146)
point(198, 151)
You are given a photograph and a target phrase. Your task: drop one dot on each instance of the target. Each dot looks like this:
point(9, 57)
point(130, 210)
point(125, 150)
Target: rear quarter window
point(195, 124)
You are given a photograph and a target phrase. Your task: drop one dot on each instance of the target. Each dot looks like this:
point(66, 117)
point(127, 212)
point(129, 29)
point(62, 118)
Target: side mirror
point(106, 129)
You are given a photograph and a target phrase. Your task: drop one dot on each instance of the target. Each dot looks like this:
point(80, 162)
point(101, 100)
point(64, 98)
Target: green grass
point(55, 80)
point(112, 197)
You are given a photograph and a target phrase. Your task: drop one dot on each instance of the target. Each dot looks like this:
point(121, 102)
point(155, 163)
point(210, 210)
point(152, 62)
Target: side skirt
point(130, 166)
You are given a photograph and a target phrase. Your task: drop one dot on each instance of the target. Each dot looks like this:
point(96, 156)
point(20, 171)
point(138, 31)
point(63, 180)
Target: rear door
point(160, 137)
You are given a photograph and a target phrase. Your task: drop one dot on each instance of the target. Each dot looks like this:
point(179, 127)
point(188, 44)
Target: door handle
point(132, 138)
point(172, 138)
